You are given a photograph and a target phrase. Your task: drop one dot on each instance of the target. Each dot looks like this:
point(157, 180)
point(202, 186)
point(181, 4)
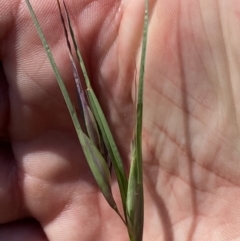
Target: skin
point(190, 126)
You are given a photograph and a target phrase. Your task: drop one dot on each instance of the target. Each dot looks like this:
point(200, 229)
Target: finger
point(23, 230)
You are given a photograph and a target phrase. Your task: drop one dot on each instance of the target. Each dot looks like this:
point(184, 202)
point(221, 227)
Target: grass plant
point(98, 143)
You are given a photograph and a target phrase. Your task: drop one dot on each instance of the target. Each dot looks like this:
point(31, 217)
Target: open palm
point(190, 127)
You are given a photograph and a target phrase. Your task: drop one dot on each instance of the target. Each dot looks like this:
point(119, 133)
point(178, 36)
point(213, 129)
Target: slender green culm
point(55, 69)
point(135, 202)
point(94, 158)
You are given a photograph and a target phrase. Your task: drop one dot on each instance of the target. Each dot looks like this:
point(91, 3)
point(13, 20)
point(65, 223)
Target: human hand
point(190, 126)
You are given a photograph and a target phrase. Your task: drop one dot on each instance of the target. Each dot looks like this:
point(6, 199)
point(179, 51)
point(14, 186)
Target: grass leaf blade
point(135, 202)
